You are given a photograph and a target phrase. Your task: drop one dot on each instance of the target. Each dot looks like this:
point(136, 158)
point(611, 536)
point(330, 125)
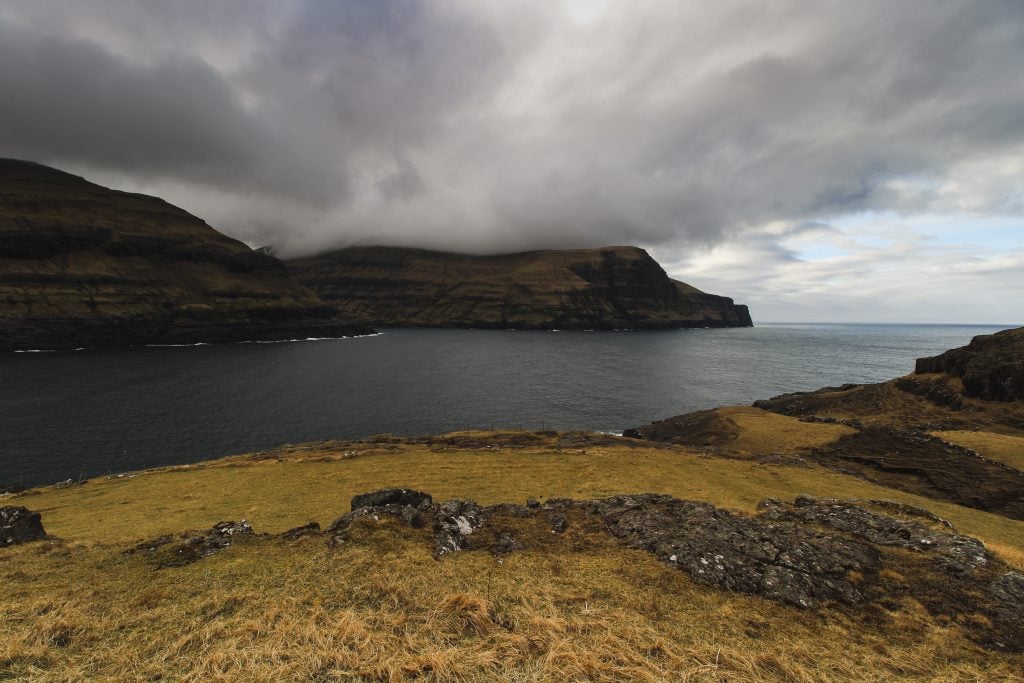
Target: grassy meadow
point(382, 608)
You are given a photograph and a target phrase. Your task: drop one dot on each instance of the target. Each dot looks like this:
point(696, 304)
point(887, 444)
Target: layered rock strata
point(609, 288)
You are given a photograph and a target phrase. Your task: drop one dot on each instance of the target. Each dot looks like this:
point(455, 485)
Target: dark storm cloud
point(490, 126)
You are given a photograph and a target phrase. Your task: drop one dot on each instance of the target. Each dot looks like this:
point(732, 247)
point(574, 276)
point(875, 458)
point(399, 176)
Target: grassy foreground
point(381, 608)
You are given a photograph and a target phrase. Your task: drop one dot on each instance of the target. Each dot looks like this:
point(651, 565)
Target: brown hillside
point(82, 265)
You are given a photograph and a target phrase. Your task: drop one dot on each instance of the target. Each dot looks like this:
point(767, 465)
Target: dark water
point(95, 412)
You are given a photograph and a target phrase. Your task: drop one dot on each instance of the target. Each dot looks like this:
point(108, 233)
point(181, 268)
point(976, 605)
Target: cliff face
point(991, 367)
point(85, 266)
point(610, 288)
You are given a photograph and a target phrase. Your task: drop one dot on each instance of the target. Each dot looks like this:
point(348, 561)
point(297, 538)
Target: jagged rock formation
point(609, 288)
point(991, 367)
point(85, 266)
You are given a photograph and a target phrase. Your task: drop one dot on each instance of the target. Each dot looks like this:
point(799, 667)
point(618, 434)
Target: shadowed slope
point(82, 265)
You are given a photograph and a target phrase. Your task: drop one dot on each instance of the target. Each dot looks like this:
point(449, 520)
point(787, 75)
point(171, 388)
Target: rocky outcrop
point(20, 525)
point(192, 546)
point(85, 266)
point(991, 367)
point(385, 497)
point(812, 553)
point(609, 288)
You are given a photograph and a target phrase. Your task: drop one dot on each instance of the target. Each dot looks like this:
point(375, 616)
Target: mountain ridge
point(82, 265)
point(619, 287)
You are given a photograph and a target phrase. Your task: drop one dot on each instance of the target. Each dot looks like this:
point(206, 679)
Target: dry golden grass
point(763, 432)
point(381, 608)
point(1008, 450)
point(291, 486)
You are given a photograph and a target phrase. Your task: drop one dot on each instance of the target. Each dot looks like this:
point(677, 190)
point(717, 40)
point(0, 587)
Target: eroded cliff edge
point(85, 266)
point(607, 288)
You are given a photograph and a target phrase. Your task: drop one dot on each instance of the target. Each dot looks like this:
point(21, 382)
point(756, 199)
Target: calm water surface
point(97, 412)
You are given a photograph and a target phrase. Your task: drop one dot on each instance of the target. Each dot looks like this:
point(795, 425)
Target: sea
point(81, 414)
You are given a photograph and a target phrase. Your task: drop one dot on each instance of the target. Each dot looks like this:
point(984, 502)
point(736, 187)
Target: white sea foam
point(267, 341)
point(174, 346)
point(80, 348)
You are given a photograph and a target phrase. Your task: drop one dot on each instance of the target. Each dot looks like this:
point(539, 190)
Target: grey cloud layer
point(490, 126)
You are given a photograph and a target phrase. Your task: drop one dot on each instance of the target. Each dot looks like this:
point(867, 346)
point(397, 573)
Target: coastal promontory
point(618, 287)
point(86, 266)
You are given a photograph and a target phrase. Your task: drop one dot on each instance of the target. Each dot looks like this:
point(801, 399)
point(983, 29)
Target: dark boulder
point(20, 525)
point(955, 552)
point(391, 497)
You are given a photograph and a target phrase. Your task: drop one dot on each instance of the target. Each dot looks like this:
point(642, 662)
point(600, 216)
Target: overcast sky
point(819, 160)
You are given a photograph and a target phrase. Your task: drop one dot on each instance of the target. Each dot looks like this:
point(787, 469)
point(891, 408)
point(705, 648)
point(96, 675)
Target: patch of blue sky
point(987, 232)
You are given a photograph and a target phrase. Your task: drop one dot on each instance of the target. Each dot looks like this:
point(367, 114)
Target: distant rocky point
point(991, 367)
point(576, 289)
point(85, 266)
point(902, 433)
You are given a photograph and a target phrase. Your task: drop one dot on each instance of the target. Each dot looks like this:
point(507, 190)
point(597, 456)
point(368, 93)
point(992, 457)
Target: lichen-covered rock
point(954, 552)
point(20, 525)
point(454, 521)
point(783, 562)
point(1008, 593)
